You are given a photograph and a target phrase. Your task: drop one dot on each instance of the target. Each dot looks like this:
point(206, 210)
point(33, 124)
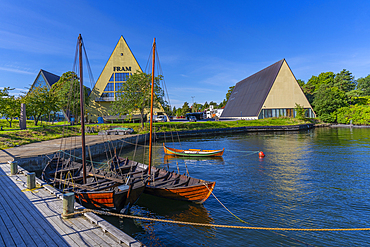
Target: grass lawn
point(11, 137)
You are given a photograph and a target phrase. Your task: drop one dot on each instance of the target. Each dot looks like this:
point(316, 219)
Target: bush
point(359, 114)
point(300, 111)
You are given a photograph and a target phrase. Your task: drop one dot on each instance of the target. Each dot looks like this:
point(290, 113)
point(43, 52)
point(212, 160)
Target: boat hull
point(101, 192)
point(114, 201)
point(197, 194)
point(193, 152)
point(172, 185)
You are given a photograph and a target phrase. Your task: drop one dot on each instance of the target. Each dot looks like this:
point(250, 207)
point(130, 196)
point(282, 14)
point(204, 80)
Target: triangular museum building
point(271, 92)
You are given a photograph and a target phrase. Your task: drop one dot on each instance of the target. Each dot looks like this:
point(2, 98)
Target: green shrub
point(359, 114)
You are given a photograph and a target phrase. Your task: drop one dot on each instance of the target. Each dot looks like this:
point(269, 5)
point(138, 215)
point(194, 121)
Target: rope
point(280, 234)
point(226, 207)
point(215, 225)
point(136, 144)
point(76, 157)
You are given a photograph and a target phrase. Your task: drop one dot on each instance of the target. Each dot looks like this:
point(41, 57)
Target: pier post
point(13, 167)
point(68, 204)
point(31, 180)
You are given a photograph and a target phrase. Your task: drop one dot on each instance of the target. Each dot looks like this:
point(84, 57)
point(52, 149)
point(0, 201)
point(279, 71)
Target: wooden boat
point(95, 188)
point(115, 191)
point(193, 152)
point(172, 185)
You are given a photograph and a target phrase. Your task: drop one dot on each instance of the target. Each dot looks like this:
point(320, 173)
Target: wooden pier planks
point(22, 217)
point(32, 218)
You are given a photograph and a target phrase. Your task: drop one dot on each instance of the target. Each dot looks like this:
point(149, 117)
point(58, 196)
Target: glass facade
point(287, 112)
point(40, 82)
point(116, 84)
point(121, 76)
point(109, 95)
point(109, 87)
point(119, 86)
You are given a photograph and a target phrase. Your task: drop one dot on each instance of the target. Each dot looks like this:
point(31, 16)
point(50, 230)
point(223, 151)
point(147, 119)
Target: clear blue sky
point(204, 46)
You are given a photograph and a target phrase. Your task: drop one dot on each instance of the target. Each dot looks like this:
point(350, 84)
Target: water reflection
point(308, 179)
point(171, 159)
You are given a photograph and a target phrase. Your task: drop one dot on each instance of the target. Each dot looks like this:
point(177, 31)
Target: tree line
point(64, 96)
point(334, 95)
point(196, 107)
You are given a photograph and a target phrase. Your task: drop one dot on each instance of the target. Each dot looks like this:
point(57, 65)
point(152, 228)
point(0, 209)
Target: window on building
point(121, 76)
point(119, 86)
point(107, 95)
point(112, 77)
point(289, 112)
point(40, 82)
point(109, 87)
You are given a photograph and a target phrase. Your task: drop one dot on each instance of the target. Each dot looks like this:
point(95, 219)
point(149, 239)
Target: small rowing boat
point(193, 152)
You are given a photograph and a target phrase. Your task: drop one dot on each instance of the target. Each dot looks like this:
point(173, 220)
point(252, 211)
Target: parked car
point(192, 119)
point(161, 118)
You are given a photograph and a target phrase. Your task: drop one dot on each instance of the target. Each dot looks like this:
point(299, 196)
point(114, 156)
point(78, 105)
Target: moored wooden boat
point(103, 190)
point(172, 185)
point(193, 152)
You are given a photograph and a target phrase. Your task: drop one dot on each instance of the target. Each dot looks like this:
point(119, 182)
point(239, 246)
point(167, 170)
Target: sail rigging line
point(137, 140)
point(160, 72)
point(151, 111)
point(89, 68)
point(144, 149)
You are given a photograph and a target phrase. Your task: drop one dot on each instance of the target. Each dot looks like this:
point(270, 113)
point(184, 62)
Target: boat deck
point(33, 218)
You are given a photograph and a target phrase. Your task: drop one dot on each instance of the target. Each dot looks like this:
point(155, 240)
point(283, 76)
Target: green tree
point(229, 92)
point(10, 106)
point(185, 109)
point(196, 107)
point(314, 83)
point(214, 104)
point(40, 101)
point(179, 112)
point(363, 86)
point(301, 83)
point(344, 81)
point(327, 101)
point(67, 91)
point(205, 106)
point(136, 93)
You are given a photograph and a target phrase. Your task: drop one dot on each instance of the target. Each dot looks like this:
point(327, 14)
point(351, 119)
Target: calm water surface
point(311, 179)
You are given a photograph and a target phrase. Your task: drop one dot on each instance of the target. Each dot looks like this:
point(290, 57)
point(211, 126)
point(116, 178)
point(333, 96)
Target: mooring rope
point(215, 225)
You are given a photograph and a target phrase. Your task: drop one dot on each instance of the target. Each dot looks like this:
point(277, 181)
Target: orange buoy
point(261, 154)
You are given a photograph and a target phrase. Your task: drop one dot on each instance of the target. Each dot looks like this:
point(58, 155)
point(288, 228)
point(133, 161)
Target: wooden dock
point(33, 218)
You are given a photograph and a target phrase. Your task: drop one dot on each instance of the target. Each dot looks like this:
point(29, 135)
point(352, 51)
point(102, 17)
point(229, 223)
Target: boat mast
point(151, 112)
point(82, 110)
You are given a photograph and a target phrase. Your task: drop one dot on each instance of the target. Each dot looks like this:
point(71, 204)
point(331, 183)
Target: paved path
point(52, 146)
point(32, 218)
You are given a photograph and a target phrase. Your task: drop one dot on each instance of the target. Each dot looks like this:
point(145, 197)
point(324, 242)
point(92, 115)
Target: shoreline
point(34, 156)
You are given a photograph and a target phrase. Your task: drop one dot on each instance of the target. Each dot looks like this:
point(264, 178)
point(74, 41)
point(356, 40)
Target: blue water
point(310, 179)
